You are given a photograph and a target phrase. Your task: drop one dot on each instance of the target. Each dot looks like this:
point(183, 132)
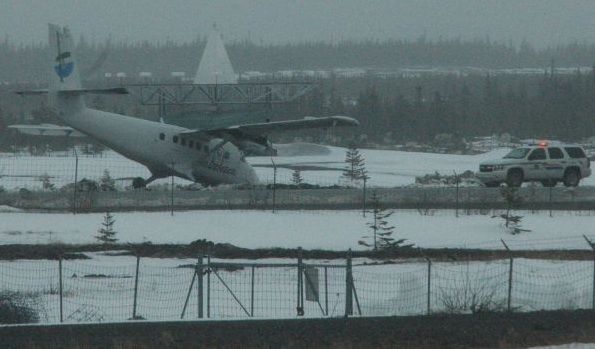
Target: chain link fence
point(119, 288)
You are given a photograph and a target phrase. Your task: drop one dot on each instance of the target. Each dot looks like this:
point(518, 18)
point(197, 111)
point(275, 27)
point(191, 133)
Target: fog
point(542, 23)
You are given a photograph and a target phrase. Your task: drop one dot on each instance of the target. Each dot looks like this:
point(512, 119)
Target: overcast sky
point(541, 22)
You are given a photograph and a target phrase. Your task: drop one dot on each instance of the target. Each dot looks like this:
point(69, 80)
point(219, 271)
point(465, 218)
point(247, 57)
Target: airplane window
point(183, 141)
point(175, 139)
point(162, 136)
point(226, 155)
point(191, 144)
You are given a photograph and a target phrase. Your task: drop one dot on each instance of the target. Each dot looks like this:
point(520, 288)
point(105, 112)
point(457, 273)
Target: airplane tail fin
point(64, 68)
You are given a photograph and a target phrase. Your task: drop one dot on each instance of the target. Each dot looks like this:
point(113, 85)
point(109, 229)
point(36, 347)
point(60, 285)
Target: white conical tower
point(215, 67)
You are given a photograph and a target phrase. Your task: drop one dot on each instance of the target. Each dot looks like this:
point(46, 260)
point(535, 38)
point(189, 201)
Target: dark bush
point(18, 308)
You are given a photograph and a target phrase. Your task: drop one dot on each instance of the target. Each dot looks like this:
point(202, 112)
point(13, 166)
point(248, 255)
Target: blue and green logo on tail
point(64, 68)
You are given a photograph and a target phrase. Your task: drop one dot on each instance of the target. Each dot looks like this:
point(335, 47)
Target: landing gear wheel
point(571, 178)
point(514, 178)
point(138, 183)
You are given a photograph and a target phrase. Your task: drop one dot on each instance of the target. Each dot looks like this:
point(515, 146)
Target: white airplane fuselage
point(162, 148)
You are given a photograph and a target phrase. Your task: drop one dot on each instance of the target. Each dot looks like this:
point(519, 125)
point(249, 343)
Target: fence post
point(300, 283)
point(348, 287)
point(429, 285)
point(274, 183)
point(209, 285)
point(61, 288)
point(365, 178)
point(550, 201)
point(252, 294)
point(172, 189)
point(76, 172)
point(135, 288)
point(199, 284)
point(509, 276)
point(593, 289)
point(326, 290)
point(457, 194)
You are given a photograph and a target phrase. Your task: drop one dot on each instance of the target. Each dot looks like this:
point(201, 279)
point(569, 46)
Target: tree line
point(22, 62)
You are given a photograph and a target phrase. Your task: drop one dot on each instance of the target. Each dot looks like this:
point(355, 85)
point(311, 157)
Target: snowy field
point(101, 288)
point(336, 230)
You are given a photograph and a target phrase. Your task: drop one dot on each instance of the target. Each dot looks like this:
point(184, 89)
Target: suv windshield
point(518, 153)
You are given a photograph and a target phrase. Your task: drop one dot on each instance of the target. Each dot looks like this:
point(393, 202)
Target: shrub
point(18, 308)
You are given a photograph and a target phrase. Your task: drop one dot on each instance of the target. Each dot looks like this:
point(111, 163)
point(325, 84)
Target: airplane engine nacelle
point(256, 149)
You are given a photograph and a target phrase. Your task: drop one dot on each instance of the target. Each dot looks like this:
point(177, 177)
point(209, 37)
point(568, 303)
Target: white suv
point(545, 162)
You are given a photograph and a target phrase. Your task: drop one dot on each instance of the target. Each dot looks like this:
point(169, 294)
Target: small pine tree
point(297, 178)
point(355, 169)
point(106, 182)
point(512, 222)
point(381, 238)
point(107, 234)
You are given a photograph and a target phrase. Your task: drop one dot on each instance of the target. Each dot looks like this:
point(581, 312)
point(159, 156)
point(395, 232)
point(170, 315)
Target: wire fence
point(104, 182)
point(121, 288)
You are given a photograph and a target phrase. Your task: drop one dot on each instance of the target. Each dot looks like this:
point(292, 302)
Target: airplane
point(207, 156)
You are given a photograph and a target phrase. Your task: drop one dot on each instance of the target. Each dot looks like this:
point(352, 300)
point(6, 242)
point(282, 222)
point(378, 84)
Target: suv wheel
point(571, 178)
point(514, 178)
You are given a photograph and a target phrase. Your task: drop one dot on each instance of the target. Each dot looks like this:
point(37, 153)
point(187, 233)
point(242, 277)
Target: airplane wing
point(47, 130)
point(251, 138)
point(259, 129)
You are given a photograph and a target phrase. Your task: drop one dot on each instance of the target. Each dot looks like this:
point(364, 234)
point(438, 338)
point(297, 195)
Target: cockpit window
point(518, 153)
point(175, 139)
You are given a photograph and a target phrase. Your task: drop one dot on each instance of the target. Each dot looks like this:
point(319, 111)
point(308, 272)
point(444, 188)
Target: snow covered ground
point(101, 289)
point(337, 230)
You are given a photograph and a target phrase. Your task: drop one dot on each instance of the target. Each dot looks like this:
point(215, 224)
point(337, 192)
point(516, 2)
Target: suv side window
point(575, 152)
point(555, 153)
point(537, 154)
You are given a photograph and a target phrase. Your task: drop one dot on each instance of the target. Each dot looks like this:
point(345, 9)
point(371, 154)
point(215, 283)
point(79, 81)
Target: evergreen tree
point(107, 234)
point(512, 222)
point(382, 231)
point(296, 177)
point(355, 169)
point(106, 182)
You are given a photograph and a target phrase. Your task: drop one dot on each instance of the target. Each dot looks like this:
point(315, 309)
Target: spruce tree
point(512, 222)
point(355, 169)
point(296, 177)
point(107, 234)
point(106, 182)
point(382, 231)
